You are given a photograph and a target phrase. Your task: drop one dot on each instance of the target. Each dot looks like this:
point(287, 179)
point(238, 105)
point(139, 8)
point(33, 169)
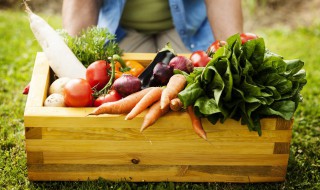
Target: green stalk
point(109, 84)
point(124, 67)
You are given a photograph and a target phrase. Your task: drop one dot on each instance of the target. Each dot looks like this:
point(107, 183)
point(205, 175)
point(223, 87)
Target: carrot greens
point(93, 44)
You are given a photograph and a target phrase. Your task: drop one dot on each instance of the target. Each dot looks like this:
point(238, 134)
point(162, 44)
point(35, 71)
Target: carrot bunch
point(159, 100)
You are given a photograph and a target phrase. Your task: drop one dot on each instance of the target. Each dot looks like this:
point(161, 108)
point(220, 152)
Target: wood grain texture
point(281, 148)
point(144, 58)
point(67, 144)
point(195, 173)
point(33, 133)
point(78, 117)
point(35, 158)
point(39, 82)
point(145, 158)
point(162, 134)
point(192, 147)
point(283, 124)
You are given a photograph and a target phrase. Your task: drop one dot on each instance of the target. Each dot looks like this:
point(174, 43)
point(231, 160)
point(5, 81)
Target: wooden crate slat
point(78, 117)
point(194, 173)
point(198, 146)
point(39, 82)
point(143, 58)
point(159, 134)
point(145, 158)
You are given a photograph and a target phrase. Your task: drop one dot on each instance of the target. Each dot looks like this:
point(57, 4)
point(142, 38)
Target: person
point(147, 25)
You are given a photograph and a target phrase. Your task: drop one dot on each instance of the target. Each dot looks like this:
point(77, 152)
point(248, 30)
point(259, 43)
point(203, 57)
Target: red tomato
point(247, 36)
point(97, 74)
point(215, 46)
point(26, 89)
point(112, 96)
point(78, 93)
point(199, 58)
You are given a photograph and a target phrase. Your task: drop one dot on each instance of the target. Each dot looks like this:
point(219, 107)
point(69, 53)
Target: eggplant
point(163, 56)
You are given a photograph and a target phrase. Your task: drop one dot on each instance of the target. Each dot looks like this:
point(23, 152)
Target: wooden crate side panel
point(39, 83)
point(195, 173)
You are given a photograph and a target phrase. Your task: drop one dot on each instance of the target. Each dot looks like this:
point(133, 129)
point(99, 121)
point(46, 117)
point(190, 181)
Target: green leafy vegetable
point(91, 45)
point(246, 82)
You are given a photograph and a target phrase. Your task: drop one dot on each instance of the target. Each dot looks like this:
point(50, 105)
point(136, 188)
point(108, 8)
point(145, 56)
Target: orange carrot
point(122, 106)
point(176, 83)
point(152, 96)
point(176, 104)
point(153, 114)
point(196, 123)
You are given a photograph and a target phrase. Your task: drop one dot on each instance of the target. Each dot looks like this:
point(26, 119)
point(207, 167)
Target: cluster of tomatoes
point(80, 92)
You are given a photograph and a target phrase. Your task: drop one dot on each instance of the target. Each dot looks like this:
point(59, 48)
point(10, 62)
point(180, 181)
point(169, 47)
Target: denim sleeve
point(110, 14)
point(191, 22)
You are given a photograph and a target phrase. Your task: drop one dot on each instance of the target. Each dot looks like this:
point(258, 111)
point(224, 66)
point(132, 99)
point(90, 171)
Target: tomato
point(26, 89)
point(199, 58)
point(112, 96)
point(215, 46)
point(97, 74)
point(78, 93)
point(247, 36)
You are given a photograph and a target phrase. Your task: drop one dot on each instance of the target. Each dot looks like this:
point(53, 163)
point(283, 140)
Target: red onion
point(182, 63)
point(127, 84)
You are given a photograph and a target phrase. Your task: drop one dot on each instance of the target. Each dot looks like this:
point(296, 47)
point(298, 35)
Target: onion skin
point(127, 84)
point(182, 63)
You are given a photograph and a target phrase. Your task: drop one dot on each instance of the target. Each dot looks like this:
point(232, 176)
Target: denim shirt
point(189, 18)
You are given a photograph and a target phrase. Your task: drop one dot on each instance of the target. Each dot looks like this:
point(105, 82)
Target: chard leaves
point(247, 82)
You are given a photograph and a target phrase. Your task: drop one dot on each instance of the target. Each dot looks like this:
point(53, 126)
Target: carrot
point(122, 106)
point(153, 114)
point(176, 104)
point(176, 83)
point(196, 123)
point(152, 96)
point(60, 57)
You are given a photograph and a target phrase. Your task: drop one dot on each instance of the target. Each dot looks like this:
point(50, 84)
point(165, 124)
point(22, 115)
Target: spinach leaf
point(190, 94)
point(245, 82)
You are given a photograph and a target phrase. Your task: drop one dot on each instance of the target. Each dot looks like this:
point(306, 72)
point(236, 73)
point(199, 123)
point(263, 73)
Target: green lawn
point(17, 53)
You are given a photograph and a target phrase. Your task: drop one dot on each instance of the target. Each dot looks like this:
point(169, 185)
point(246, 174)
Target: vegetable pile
point(238, 78)
point(244, 80)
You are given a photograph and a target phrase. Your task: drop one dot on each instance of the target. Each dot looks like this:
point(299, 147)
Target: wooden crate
point(65, 144)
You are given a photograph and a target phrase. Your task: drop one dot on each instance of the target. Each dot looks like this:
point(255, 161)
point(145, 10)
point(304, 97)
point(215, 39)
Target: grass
point(17, 54)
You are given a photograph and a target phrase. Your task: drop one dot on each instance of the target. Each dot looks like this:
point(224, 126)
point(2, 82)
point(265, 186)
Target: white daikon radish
point(61, 59)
